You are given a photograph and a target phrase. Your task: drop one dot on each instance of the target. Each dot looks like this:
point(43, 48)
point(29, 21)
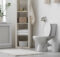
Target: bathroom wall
point(11, 18)
point(51, 11)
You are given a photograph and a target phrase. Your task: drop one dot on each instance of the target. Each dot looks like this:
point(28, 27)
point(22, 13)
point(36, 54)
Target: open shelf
point(22, 11)
point(22, 5)
point(22, 41)
point(23, 25)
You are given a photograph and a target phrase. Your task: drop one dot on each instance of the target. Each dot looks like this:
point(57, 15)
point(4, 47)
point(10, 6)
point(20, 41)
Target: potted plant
point(2, 13)
point(44, 19)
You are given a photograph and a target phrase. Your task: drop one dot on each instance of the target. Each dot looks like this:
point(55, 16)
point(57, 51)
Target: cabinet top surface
point(4, 24)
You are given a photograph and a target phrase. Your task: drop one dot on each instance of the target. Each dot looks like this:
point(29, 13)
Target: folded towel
point(22, 31)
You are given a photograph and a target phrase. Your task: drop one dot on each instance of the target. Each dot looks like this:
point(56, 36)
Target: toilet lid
point(45, 29)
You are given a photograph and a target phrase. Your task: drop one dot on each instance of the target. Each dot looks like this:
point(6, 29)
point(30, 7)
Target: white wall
point(11, 17)
point(51, 11)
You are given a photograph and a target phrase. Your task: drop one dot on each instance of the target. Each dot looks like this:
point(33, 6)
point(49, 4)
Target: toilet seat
point(47, 29)
point(44, 30)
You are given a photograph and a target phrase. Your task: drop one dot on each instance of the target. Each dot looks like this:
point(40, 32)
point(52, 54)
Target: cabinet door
point(5, 36)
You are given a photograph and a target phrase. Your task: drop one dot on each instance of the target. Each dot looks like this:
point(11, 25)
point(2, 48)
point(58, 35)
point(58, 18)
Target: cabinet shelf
point(22, 23)
point(23, 11)
point(22, 34)
point(23, 47)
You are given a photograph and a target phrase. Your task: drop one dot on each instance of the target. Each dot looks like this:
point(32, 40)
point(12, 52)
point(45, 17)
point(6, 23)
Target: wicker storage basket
point(22, 20)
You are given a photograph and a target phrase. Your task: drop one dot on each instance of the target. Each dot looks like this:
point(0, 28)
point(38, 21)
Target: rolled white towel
point(51, 49)
point(22, 31)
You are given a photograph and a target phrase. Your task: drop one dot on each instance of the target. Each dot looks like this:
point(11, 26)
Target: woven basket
point(22, 20)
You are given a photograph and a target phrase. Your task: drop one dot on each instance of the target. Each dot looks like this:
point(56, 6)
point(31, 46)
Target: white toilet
point(41, 44)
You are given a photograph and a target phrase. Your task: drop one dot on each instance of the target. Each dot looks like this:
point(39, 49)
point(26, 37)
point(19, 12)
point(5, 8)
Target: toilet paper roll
point(51, 49)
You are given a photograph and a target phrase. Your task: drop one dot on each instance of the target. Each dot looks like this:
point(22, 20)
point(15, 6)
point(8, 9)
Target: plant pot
point(4, 19)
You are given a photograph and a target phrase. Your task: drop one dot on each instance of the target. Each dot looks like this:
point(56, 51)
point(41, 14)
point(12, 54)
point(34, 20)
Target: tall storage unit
point(23, 27)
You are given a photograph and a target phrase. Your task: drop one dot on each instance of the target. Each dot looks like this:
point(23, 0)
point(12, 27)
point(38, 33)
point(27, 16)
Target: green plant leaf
point(8, 5)
point(1, 14)
point(0, 11)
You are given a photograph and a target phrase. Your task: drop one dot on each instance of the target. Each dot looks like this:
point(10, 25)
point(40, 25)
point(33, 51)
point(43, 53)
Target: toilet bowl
point(40, 44)
point(41, 40)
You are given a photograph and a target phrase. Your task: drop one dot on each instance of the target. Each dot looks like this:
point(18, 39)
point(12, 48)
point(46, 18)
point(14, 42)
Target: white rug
point(20, 52)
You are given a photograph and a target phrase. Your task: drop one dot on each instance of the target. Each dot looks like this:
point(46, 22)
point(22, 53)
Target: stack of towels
point(22, 32)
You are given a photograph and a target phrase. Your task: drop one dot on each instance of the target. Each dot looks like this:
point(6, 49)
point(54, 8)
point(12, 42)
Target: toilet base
point(40, 44)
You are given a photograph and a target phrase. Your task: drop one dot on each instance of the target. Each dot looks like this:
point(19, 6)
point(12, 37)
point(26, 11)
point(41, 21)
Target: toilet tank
point(53, 30)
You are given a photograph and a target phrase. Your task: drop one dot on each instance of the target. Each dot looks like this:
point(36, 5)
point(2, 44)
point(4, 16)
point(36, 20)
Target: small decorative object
point(57, 1)
point(22, 20)
point(44, 19)
point(3, 9)
point(47, 1)
point(22, 9)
